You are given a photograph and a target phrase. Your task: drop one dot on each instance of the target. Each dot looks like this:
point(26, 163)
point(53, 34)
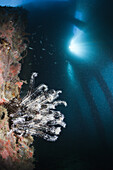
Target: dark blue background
point(87, 141)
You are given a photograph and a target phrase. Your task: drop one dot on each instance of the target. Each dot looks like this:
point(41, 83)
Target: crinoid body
point(35, 114)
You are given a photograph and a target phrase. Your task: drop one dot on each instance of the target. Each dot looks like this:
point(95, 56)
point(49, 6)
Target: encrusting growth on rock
point(22, 118)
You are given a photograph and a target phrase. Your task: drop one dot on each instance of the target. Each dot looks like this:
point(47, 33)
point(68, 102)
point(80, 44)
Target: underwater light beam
point(76, 45)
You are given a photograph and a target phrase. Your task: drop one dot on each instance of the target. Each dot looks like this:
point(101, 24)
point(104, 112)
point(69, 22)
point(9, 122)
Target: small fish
point(30, 48)
point(50, 53)
point(51, 45)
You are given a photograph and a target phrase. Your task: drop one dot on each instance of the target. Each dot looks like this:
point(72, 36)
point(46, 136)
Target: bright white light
point(75, 47)
point(78, 48)
point(78, 44)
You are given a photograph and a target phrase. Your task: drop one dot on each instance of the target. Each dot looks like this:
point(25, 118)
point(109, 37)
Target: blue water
point(87, 141)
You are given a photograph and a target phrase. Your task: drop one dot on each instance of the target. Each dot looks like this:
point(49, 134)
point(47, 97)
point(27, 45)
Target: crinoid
point(35, 114)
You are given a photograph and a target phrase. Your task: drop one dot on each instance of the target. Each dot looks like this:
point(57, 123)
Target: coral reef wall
point(13, 45)
point(22, 118)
